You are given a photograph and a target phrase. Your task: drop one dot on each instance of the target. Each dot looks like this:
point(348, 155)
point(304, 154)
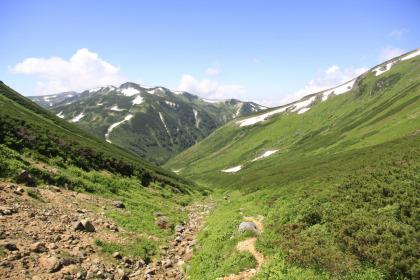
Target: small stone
point(51, 264)
point(188, 257)
point(9, 246)
point(158, 214)
point(118, 204)
point(163, 223)
point(78, 226)
point(179, 228)
point(39, 247)
point(127, 260)
point(116, 255)
point(120, 275)
point(88, 225)
point(248, 226)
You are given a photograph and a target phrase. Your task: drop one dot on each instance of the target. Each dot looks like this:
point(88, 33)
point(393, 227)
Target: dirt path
point(249, 245)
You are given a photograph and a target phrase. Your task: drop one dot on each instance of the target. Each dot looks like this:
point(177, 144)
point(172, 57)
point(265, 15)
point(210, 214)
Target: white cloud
point(83, 71)
point(389, 53)
point(327, 79)
point(398, 33)
point(209, 89)
point(256, 61)
point(215, 69)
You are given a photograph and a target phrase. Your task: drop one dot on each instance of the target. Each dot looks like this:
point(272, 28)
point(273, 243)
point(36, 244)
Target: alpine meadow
point(210, 140)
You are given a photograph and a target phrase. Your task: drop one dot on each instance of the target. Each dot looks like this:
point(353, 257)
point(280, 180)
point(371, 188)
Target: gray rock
point(179, 228)
point(116, 255)
point(39, 247)
point(118, 204)
point(9, 246)
point(158, 214)
point(78, 226)
point(88, 225)
point(248, 226)
point(25, 177)
point(163, 223)
point(51, 264)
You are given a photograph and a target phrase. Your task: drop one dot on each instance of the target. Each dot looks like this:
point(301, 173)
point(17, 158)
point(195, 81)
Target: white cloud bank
point(209, 89)
point(84, 70)
point(389, 53)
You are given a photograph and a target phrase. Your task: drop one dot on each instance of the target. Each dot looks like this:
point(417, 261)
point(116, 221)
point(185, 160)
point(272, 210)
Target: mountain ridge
point(153, 122)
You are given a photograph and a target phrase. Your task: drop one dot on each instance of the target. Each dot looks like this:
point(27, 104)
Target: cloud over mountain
point(84, 70)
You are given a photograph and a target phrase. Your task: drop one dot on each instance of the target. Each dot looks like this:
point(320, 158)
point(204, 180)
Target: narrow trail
point(249, 245)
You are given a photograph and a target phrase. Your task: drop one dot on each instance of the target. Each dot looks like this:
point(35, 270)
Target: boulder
point(88, 225)
point(248, 226)
point(51, 264)
point(163, 223)
point(9, 246)
point(39, 247)
point(25, 178)
point(158, 214)
point(116, 255)
point(118, 204)
point(78, 226)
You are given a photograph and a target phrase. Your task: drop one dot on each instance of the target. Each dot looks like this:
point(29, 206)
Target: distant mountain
point(48, 101)
point(153, 122)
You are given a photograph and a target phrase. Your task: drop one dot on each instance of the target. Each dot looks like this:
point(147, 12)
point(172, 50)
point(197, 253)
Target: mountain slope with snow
point(364, 111)
point(153, 122)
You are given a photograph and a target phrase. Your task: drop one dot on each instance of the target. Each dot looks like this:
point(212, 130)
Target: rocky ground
point(54, 239)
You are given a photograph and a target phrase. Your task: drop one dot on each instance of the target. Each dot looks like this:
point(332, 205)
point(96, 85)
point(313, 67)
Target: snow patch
point(127, 118)
point(60, 115)
point(115, 108)
point(163, 121)
point(129, 91)
point(265, 154)
point(138, 100)
point(176, 171)
point(212, 101)
point(339, 90)
point(99, 104)
point(146, 87)
point(94, 89)
point(177, 92)
point(303, 110)
point(197, 120)
point(151, 91)
point(260, 118)
point(77, 118)
point(233, 169)
point(170, 103)
point(411, 55)
point(384, 69)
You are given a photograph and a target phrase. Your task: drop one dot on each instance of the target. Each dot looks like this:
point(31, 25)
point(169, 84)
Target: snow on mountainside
point(153, 122)
point(305, 104)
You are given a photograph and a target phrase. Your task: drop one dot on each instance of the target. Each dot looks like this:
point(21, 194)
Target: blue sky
point(271, 52)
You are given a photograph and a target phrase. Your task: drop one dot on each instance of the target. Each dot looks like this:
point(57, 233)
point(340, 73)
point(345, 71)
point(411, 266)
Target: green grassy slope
point(58, 153)
point(340, 196)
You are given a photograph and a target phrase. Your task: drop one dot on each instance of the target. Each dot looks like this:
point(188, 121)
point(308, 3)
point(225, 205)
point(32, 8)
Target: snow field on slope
point(129, 91)
point(137, 100)
point(77, 118)
point(127, 118)
point(233, 169)
point(265, 154)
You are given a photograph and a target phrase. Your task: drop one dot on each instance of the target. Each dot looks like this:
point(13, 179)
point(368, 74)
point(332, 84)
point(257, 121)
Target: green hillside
point(58, 153)
point(152, 122)
point(337, 180)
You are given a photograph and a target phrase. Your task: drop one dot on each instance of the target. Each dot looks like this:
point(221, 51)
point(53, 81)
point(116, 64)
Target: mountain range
point(153, 122)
